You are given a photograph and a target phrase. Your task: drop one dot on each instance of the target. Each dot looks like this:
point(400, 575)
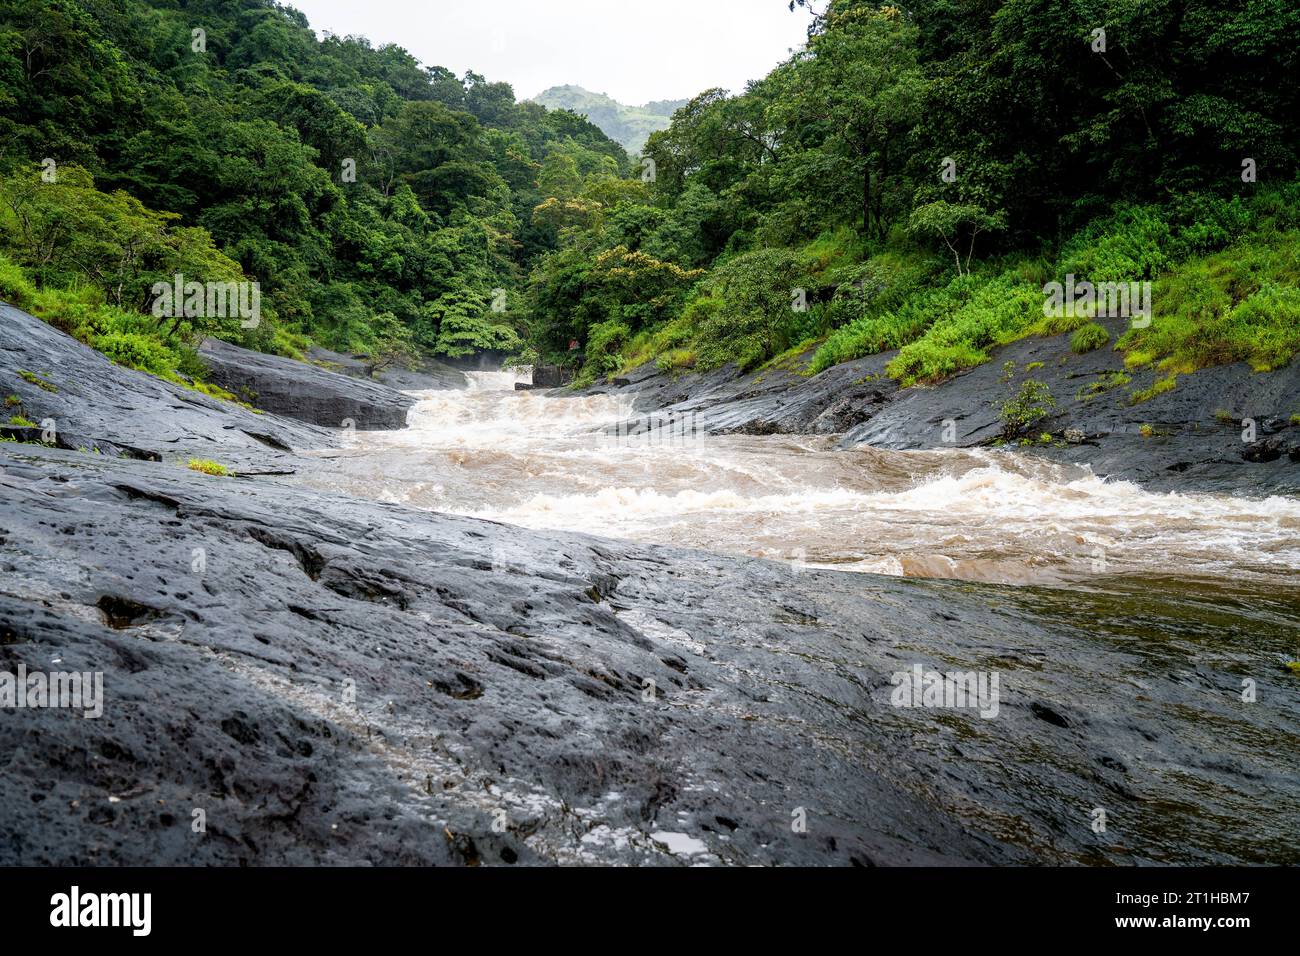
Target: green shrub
point(1089, 338)
point(998, 310)
point(1131, 245)
point(675, 360)
point(604, 341)
point(14, 285)
point(1032, 405)
point(882, 305)
point(893, 328)
point(1238, 305)
point(755, 318)
point(1205, 223)
point(646, 345)
point(138, 352)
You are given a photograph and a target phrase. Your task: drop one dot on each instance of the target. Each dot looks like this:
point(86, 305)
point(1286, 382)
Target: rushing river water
point(562, 462)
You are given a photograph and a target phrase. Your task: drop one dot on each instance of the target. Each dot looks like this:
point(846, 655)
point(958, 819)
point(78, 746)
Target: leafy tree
point(464, 326)
point(862, 83)
point(957, 225)
point(758, 299)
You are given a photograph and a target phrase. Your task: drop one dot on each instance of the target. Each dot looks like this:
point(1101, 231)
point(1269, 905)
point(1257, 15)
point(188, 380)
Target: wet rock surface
point(92, 403)
point(345, 682)
point(424, 374)
point(340, 681)
point(305, 392)
point(1189, 438)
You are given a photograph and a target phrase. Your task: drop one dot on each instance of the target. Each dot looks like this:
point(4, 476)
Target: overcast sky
point(634, 50)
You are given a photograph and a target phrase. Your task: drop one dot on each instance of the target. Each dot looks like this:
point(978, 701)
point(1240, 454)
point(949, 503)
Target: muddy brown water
point(982, 515)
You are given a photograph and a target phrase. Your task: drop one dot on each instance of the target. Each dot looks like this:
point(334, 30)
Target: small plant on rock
point(208, 467)
point(1158, 388)
point(1031, 406)
point(1088, 338)
point(31, 378)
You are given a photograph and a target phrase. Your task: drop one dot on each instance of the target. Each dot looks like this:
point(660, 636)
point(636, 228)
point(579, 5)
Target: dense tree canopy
point(911, 144)
point(352, 183)
point(905, 181)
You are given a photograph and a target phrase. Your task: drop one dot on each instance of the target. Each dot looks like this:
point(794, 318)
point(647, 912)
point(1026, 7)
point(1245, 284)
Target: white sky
point(633, 50)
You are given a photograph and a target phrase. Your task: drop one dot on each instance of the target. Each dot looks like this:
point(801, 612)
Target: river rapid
point(545, 462)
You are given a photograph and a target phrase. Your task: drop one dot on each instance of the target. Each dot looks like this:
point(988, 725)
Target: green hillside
point(629, 125)
point(381, 205)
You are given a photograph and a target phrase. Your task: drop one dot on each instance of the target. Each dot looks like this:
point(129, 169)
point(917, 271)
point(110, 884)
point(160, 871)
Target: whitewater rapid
point(569, 463)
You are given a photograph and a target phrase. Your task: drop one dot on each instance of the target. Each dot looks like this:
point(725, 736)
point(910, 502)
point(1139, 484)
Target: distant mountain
point(629, 125)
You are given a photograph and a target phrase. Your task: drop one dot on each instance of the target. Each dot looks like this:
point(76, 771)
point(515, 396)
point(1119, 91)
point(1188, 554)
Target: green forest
point(909, 181)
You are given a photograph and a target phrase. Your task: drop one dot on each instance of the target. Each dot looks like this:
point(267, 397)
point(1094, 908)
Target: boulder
point(1264, 450)
point(422, 375)
point(305, 392)
point(549, 376)
point(546, 376)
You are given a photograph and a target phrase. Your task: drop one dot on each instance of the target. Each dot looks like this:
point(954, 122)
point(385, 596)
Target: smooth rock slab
point(343, 681)
point(94, 403)
point(305, 392)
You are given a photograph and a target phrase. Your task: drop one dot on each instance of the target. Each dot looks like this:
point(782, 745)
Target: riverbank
point(1194, 437)
point(321, 678)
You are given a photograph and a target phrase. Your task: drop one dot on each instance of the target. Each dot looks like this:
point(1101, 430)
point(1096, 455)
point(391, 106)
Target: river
point(991, 515)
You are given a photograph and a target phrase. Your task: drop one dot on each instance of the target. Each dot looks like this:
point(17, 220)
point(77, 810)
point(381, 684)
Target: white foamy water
point(561, 463)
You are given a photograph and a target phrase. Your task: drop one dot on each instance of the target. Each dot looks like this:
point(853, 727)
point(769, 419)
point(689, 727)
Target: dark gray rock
point(94, 403)
point(423, 375)
point(347, 682)
point(546, 377)
point(306, 392)
point(775, 401)
point(549, 376)
point(1265, 450)
point(334, 681)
